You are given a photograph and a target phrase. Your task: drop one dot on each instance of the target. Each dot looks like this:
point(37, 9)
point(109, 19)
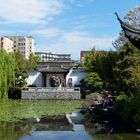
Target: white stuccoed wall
point(35, 78)
point(76, 76)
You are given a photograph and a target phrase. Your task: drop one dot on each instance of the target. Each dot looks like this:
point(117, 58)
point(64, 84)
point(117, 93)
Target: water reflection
point(114, 136)
point(54, 128)
point(35, 127)
point(57, 128)
point(14, 131)
point(79, 133)
point(49, 128)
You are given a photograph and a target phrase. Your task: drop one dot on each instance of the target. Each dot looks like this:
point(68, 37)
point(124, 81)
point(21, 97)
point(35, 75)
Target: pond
point(45, 120)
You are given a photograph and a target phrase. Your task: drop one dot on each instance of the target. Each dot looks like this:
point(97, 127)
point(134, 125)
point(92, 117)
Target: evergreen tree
point(127, 69)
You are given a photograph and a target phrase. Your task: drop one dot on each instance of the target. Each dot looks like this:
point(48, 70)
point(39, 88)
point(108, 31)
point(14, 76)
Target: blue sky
point(65, 26)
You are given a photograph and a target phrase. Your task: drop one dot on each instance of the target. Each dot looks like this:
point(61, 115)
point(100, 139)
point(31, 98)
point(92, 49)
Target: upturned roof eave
point(128, 27)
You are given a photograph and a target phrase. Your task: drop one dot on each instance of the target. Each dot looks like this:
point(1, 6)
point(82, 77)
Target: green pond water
point(30, 120)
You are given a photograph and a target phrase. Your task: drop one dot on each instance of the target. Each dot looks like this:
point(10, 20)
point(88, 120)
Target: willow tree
point(7, 73)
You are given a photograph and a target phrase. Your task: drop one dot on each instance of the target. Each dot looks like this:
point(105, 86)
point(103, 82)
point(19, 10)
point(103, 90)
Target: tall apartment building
point(6, 44)
point(24, 44)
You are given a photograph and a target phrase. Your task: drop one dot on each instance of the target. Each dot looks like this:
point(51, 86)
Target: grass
point(15, 110)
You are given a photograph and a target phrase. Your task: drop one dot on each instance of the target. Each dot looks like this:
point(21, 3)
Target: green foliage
point(127, 75)
point(33, 62)
point(23, 67)
point(129, 110)
point(14, 71)
point(93, 81)
point(122, 97)
point(21, 70)
point(127, 69)
point(7, 73)
point(102, 63)
point(89, 61)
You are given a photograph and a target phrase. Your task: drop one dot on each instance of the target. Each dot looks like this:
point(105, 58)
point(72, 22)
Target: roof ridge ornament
point(118, 17)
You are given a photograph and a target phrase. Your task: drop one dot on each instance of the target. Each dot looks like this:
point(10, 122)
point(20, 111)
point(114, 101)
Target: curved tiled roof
point(133, 34)
point(56, 66)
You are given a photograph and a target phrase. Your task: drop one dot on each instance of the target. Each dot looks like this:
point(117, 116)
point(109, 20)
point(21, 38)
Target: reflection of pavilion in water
point(24, 128)
point(55, 123)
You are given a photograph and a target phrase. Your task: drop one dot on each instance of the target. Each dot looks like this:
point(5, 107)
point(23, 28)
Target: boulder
point(93, 99)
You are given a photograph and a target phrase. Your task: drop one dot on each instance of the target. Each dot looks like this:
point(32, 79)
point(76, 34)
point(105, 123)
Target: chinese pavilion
point(132, 33)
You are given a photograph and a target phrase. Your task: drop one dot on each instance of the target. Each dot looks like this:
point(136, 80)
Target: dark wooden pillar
point(43, 79)
point(65, 74)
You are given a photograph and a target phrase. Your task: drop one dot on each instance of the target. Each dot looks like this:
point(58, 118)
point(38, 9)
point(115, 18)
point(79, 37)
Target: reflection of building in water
point(55, 123)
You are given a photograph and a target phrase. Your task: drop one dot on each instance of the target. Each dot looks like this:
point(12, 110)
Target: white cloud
point(6, 32)
point(47, 33)
point(29, 11)
point(79, 1)
point(74, 42)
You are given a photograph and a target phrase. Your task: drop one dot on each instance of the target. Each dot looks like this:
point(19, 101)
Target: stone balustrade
point(50, 93)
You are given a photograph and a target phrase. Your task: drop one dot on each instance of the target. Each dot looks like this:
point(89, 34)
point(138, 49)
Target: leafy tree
point(89, 61)
point(14, 71)
point(102, 63)
point(21, 71)
point(127, 69)
point(23, 67)
point(93, 81)
point(33, 62)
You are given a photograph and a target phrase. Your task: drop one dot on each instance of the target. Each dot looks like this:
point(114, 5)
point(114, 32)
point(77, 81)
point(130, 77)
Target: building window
point(70, 82)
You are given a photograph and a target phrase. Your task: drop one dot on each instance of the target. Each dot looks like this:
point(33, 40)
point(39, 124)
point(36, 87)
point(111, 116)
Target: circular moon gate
point(54, 81)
